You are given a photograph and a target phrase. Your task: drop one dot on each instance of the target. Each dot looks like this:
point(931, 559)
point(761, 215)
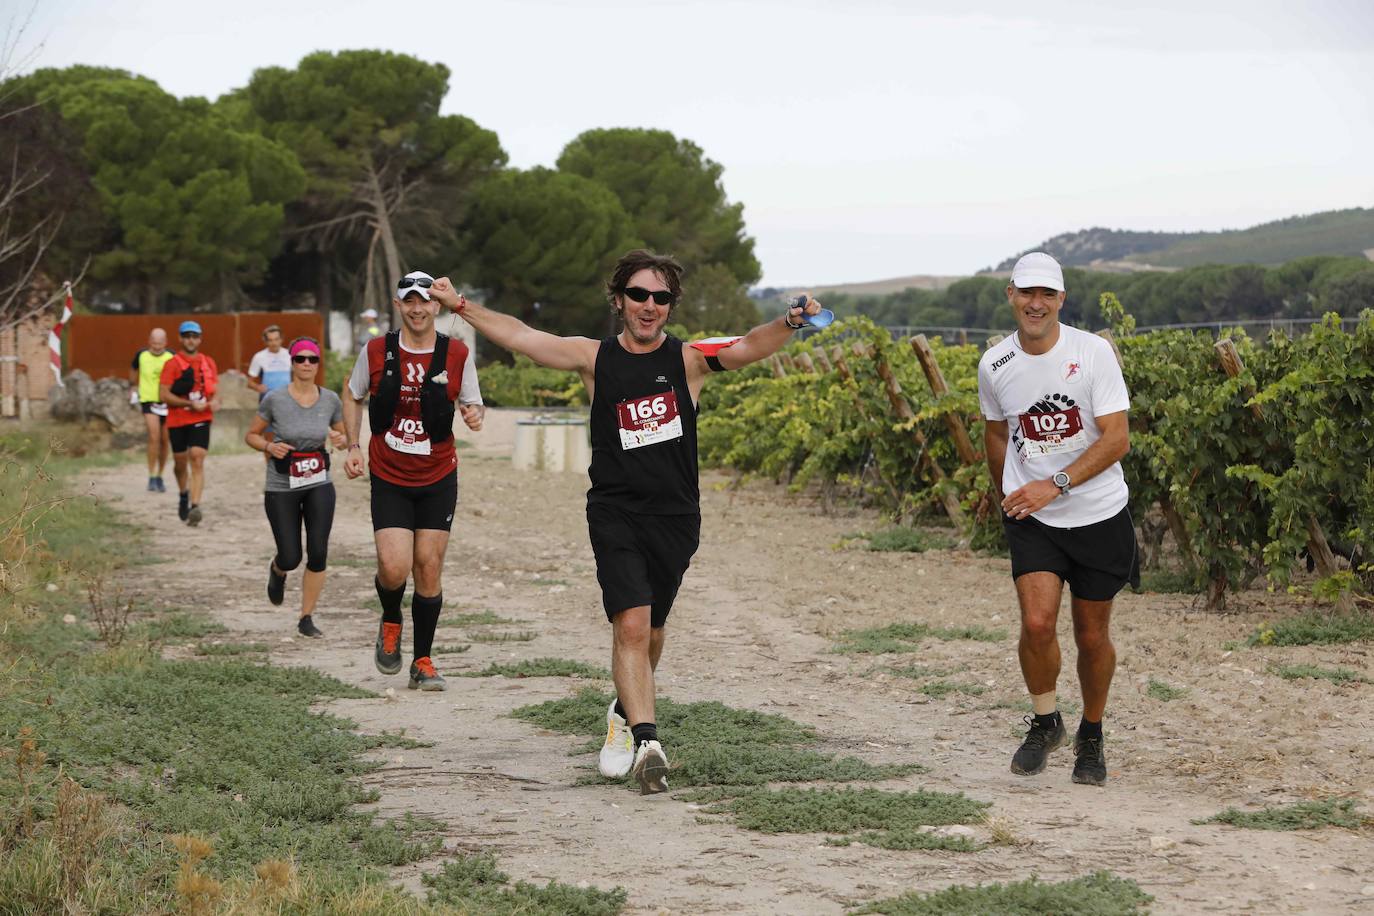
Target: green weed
point(938, 689)
point(523, 636)
point(917, 672)
point(1311, 815)
point(1167, 581)
point(907, 637)
point(475, 885)
point(478, 619)
point(1334, 675)
point(177, 626)
point(542, 667)
point(1315, 629)
point(908, 540)
point(873, 816)
point(713, 745)
point(450, 650)
point(1161, 691)
point(1099, 894)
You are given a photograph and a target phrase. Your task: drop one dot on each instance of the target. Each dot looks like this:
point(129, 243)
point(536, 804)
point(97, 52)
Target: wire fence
point(1255, 327)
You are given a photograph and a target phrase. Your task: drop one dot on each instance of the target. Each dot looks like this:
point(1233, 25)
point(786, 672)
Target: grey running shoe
point(388, 652)
point(1090, 763)
point(193, 516)
point(424, 677)
point(161, 487)
point(152, 484)
point(651, 768)
point(306, 627)
point(1031, 756)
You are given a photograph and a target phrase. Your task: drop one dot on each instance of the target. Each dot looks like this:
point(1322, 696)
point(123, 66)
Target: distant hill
point(1335, 232)
point(865, 288)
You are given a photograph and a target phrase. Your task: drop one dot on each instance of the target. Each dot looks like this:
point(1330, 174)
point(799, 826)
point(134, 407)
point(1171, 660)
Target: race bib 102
point(649, 420)
point(306, 469)
point(1052, 431)
point(407, 434)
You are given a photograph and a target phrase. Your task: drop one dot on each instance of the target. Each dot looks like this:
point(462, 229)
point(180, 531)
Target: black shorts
point(197, 435)
point(147, 407)
point(431, 506)
point(1097, 560)
point(640, 559)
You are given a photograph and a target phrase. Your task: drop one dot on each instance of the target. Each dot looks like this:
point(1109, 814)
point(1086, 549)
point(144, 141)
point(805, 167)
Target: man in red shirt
point(188, 386)
point(412, 379)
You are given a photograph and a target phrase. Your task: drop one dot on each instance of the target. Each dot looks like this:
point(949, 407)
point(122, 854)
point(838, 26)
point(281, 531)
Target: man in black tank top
point(643, 508)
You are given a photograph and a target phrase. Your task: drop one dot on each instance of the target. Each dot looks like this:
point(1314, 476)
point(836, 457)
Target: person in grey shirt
point(307, 419)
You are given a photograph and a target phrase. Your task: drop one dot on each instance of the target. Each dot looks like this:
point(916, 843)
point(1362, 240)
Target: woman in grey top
point(306, 419)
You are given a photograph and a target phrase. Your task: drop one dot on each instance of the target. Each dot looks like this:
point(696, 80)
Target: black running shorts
point(182, 438)
point(640, 559)
point(432, 506)
point(1096, 560)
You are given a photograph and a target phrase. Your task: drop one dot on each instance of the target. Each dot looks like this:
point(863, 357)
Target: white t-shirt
point(1051, 403)
point(272, 369)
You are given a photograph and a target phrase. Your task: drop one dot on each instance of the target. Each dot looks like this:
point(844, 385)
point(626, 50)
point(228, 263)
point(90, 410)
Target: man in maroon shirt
point(413, 379)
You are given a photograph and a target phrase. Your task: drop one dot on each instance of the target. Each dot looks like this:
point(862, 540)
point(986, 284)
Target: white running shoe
point(651, 768)
point(618, 753)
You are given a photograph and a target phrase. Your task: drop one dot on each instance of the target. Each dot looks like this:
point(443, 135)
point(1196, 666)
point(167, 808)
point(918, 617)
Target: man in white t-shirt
point(1055, 405)
point(270, 367)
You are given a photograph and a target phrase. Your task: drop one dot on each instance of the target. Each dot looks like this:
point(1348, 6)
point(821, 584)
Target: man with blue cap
point(189, 384)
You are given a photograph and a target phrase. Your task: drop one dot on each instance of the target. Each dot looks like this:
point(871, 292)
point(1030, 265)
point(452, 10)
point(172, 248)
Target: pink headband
point(308, 346)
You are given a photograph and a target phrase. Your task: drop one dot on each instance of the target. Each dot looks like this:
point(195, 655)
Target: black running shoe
point(306, 627)
point(1031, 756)
point(1090, 763)
point(276, 585)
point(183, 505)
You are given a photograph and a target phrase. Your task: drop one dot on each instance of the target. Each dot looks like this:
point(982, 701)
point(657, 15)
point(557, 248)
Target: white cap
point(369, 313)
point(403, 291)
point(1037, 269)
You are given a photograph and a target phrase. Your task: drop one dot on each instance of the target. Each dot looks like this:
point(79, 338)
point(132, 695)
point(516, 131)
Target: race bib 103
point(307, 469)
point(649, 420)
point(1052, 431)
point(407, 434)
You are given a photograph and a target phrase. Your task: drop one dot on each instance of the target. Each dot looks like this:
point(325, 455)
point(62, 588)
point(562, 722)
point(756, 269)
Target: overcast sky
point(866, 139)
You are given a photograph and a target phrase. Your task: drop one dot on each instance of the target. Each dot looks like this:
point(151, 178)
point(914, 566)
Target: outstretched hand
point(448, 297)
point(794, 314)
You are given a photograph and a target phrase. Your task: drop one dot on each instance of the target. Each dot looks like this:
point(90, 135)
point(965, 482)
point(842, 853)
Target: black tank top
point(644, 431)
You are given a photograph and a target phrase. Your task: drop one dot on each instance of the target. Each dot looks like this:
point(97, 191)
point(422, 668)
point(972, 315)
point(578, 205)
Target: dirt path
point(753, 628)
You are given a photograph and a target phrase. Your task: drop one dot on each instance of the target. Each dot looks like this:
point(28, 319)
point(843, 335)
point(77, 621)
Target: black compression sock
point(391, 601)
point(424, 615)
point(1049, 720)
point(1088, 729)
point(620, 710)
point(644, 731)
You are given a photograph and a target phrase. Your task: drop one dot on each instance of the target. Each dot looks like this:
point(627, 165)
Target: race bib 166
point(649, 420)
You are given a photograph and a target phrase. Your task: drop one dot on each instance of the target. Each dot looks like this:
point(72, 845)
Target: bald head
point(157, 340)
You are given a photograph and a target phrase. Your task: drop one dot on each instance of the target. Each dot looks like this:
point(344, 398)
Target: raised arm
point(569, 353)
point(763, 341)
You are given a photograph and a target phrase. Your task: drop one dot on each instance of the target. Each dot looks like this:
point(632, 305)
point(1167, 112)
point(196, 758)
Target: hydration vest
point(436, 409)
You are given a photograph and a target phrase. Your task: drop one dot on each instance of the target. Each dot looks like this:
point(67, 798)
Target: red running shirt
point(206, 384)
point(404, 454)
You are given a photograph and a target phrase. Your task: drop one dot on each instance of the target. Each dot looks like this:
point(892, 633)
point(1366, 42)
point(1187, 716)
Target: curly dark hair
point(632, 262)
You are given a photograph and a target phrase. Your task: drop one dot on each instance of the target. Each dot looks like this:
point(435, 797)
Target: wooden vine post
point(822, 360)
point(940, 388)
point(1317, 544)
point(902, 408)
point(803, 361)
point(847, 376)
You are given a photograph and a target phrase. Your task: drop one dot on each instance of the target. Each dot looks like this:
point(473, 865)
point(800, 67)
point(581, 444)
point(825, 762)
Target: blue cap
point(189, 327)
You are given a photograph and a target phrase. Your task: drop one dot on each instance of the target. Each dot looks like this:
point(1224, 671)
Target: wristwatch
point(1061, 480)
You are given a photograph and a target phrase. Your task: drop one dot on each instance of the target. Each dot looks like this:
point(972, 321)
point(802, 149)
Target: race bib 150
point(1052, 431)
point(649, 420)
point(307, 469)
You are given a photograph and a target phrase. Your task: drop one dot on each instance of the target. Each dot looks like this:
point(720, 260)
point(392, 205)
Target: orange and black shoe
point(424, 677)
point(388, 654)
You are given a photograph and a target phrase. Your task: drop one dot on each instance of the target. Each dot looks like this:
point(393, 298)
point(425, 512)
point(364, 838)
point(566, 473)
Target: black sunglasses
point(408, 282)
point(302, 358)
point(639, 294)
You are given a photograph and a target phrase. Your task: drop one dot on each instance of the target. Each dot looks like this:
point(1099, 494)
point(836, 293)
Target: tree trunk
point(324, 298)
point(381, 219)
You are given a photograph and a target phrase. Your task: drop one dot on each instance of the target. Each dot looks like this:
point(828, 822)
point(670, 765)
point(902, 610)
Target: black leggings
point(284, 514)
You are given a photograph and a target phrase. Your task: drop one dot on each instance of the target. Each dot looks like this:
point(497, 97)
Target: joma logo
point(999, 363)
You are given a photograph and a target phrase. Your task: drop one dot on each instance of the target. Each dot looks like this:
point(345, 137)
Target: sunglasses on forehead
point(640, 294)
point(305, 358)
point(408, 282)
